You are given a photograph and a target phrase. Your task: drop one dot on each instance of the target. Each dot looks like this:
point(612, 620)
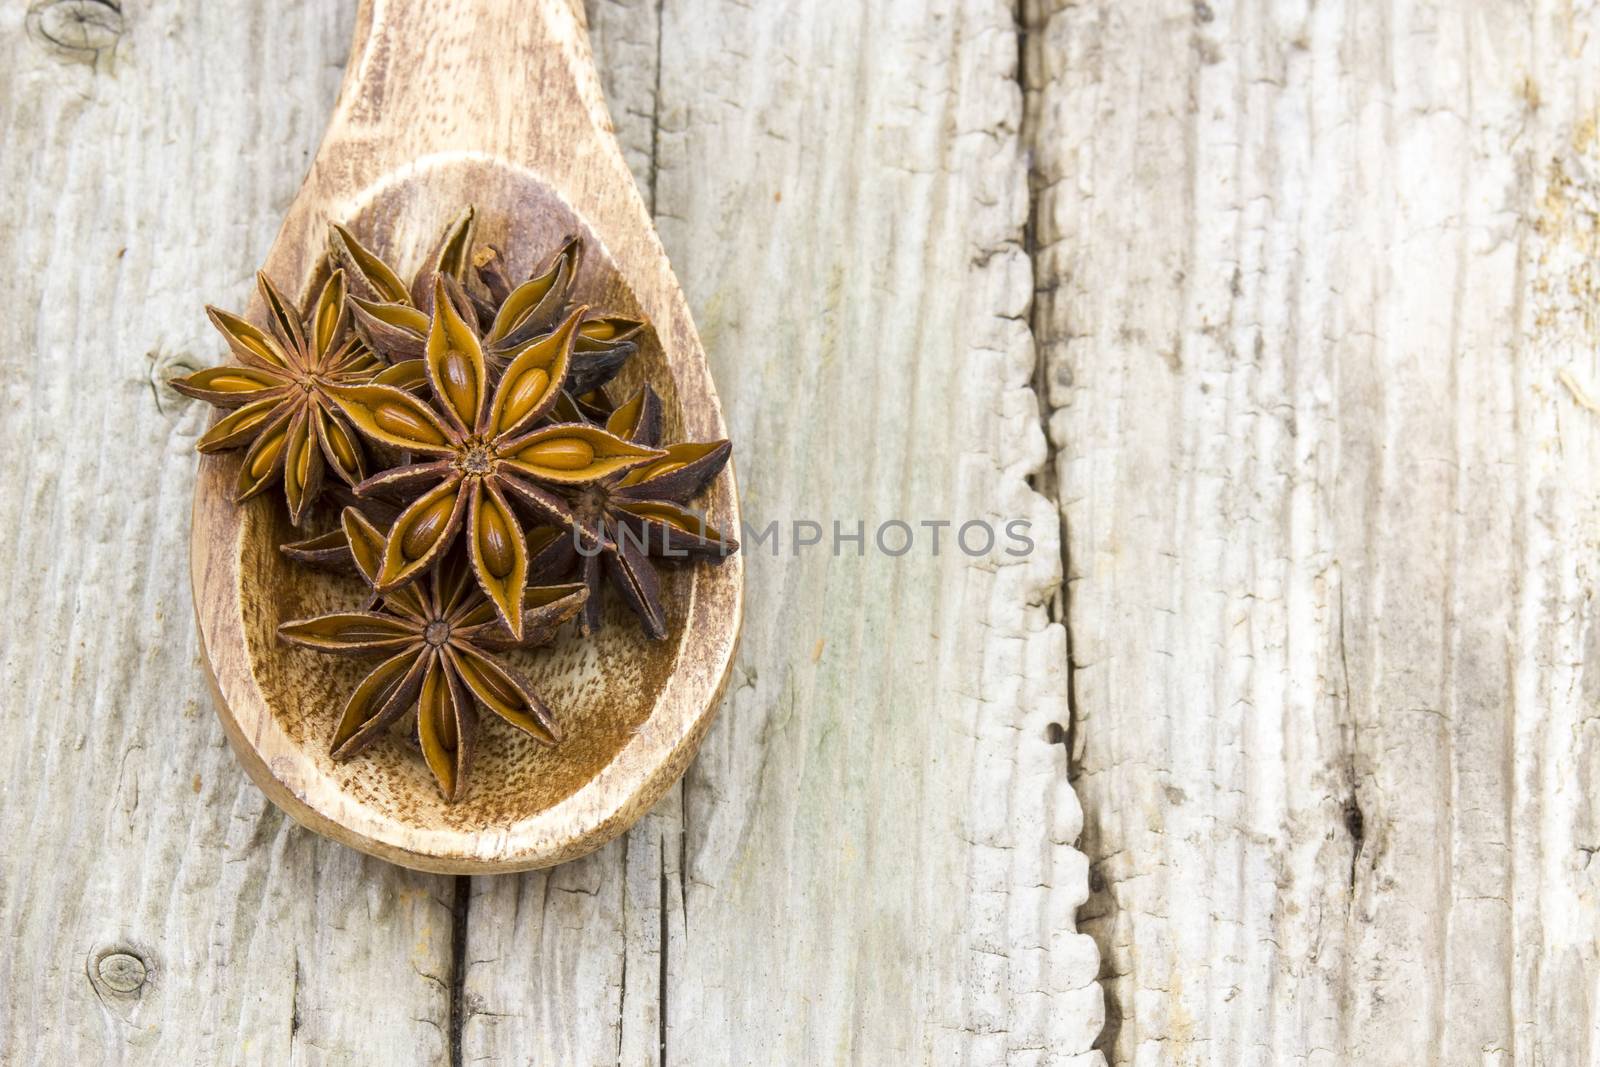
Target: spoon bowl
point(633, 710)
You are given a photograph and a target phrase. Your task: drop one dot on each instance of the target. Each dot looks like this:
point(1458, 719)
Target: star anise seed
point(436, 635)
point(620, 521)
point(478, 450)
point(279, 398)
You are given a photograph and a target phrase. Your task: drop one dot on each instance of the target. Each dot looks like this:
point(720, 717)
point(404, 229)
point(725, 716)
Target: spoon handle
point(515, 80)
point(441, 80)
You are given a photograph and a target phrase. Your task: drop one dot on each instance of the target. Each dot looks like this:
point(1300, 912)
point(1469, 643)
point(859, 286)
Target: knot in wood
point(80, 29)
point(121, 972)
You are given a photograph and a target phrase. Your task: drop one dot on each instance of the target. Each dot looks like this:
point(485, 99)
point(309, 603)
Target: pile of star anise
point(493, 481)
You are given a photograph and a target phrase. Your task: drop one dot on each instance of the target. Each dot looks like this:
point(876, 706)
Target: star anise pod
point(621, 521)
point(331, 550)
point(437, 635)
point(394, 316)
point(279, 394)
point(479, 448)
point(510, 315)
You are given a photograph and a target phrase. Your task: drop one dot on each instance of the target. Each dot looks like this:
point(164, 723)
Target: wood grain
point(1310, 278)
point(140, 180)
point(872, 861)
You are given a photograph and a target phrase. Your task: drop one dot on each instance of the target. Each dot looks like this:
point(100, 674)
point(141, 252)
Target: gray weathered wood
point(137, 183)
point(1310, 276)
point(873, 858)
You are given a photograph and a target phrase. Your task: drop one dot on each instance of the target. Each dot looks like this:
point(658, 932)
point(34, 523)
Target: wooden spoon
point(496, 104)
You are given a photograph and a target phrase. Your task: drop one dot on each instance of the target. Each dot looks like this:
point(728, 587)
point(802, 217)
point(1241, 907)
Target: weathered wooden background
point(1306, 293)
point(872, 859)
point(1317, 300)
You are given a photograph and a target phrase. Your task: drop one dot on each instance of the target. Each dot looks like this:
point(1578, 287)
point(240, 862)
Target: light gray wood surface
point(1317, 306)
point(1308, 294)
point(138, 182)
point(872, 861)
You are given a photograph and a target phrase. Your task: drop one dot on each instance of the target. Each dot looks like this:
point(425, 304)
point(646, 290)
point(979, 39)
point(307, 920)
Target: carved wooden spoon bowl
point(496, 105)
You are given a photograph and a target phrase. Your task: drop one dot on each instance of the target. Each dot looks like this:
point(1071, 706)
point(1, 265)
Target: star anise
point(478, 447)
point(331, 549)
point(394, 316)
point(437, 635)
point(622, 520)
point(279, 395)
point(512, 314)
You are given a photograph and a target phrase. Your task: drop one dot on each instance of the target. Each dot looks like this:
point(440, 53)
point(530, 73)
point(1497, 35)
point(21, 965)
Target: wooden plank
point(1310, 278)
point(872, 857)
point(146, 172)
point(564, 966)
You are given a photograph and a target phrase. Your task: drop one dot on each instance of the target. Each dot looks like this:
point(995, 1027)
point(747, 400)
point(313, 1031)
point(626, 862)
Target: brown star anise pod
point(622, 520)
point(437, 635)
point(513, 314)
point(331, 550)
point(479, 446)
point(394, 316)
point(279, 393)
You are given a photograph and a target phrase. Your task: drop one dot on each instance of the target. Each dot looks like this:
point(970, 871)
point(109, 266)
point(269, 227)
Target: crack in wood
point(622, 985)
point(1355, 820)
point(661, 1022)
point(460, 911)
point(655, 110)
point(294, 1002)
point(1045, 480)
